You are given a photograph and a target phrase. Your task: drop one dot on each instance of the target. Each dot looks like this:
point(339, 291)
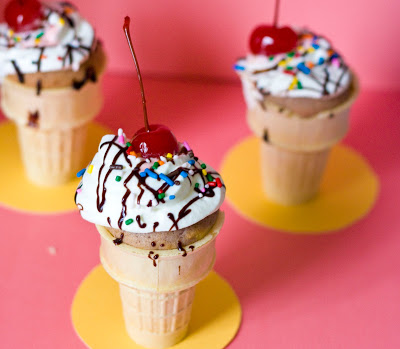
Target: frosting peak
point(140, 195)
point(63, 41)
point(313, 70)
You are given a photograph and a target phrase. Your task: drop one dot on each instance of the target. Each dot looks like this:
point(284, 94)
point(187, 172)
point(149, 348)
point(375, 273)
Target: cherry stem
point(276, 14)
point(128, 38)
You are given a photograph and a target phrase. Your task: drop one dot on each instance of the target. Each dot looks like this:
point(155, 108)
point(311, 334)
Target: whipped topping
point(140, 195)
point(313, 70)
point(64, 41)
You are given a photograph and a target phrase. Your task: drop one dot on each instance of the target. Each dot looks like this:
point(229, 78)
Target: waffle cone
point(53, 147)
point(157, 295)
point(295, 149)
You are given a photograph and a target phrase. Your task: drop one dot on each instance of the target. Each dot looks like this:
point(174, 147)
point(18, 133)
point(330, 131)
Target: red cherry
point(154, 143)
point(270, 40)
point(22, 15)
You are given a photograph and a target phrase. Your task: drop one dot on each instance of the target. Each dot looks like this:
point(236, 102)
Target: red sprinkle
point(128, 151)
point(219, 183)
point(160, 191)
point(289, 72)
point(212, 184)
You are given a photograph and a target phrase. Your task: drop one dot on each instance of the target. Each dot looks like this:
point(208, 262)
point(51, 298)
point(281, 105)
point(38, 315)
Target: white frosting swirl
point(64, 41)
point(127, 196)
point(313, 70)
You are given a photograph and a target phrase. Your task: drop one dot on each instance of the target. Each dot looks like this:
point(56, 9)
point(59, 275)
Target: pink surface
point(204, 38)
point(329, 291)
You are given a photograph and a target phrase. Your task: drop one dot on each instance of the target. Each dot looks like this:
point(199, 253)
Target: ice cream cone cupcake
point(51, 66)
point(298, 92)
point(156, 207)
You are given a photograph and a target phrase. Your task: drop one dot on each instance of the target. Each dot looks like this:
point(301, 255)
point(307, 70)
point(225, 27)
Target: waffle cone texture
point(295, 149)
point(157, 292)
point(52, 144)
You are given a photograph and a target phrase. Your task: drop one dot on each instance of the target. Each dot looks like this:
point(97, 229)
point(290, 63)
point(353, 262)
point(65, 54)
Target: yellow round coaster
point(17, 192)
point(348, 191)
point(97, 314)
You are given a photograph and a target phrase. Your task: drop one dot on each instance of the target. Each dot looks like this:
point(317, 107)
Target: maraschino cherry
point(151, 140)
point(23, 15)
point(271, 40)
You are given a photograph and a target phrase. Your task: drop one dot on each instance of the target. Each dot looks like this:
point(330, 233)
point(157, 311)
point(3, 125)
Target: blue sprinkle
point(321, 61)
point(151, 173)
point(184, 174)
point(315, 46)
point(172, 197)
point(335, 55)
point(166, 179)
point(142, 174)
point(238, 67)
point(191, 162)
point(301, 66)
point(81, 172)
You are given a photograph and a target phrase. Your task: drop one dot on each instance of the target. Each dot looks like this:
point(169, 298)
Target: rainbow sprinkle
point(166, 179)
point(81, 172)
point(129, 221)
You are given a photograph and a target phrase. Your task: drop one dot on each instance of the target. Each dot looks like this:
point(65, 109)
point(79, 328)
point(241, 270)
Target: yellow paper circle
point(17, 192)
point(348, 191)
point(97, 314)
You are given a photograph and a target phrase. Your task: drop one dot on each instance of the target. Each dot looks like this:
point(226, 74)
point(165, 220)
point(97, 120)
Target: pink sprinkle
point(79, 190)
point(335, 62)
point(186, 145)
point(202, 190)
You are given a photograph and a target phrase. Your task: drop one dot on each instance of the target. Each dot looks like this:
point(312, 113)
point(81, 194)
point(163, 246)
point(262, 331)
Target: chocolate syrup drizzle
point(119, 241)
point(143, 186)
point(182, 249)
point(153, 257)
point(33, 119)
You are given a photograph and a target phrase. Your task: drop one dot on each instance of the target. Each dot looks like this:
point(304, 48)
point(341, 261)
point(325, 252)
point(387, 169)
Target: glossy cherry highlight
point(156, 142)
point(23, 15)
point(271, 40)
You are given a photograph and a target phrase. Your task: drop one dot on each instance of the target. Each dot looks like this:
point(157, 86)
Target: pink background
point(329, 291)
point(203, 38)
point(297, 291)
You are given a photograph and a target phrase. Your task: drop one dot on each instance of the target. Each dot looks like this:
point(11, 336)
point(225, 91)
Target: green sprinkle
point(210, 178)
point(39, 35)
point(299, 85)
point(118, 178)
point(161, 195)
point(291, 54)
point(196, 185)
point(155, 165)
point(128, 144)
point(203, 165)
point(129, 221)
point(289, 68)
point(15, 39)
point(271, 58)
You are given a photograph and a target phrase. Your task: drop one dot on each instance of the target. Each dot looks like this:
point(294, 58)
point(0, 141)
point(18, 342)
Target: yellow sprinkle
point(169, 156)
point(10, 32)
point(161, 162)
point(37, 41)
point(311, 49)
point(282, 63)
point(204, 172)
point(293, 84)
point(90, 169)
point(61, 21)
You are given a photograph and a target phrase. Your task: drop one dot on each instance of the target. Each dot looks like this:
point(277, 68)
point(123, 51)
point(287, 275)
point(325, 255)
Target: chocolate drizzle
point(33, 119)
point(182, 249)
point(20, 76)
point(109, 221)
point(38, 87)
point(153, 257)
point(266, 136)
point(141, 225)
point(134, 173)
point(118, 241)
point(191, 247)
point(90, 75)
